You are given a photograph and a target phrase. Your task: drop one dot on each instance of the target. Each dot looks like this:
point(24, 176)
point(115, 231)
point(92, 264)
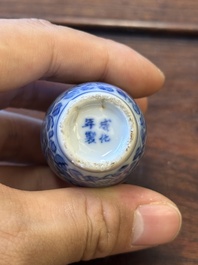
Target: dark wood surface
point(176, 16)
point(142, 10)
point(170, 164)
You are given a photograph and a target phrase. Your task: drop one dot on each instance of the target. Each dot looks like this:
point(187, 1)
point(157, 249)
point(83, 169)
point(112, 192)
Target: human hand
point(43, 221)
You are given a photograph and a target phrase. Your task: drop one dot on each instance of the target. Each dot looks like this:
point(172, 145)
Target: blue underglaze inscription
point(92, 136)
point(104, 138)
point(89, 123)
point(105, 124)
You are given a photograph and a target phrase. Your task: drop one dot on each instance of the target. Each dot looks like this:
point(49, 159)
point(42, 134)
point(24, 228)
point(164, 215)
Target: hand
point(43, 221)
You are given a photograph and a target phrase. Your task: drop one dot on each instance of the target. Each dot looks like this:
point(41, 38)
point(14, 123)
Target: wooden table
point(166, 32)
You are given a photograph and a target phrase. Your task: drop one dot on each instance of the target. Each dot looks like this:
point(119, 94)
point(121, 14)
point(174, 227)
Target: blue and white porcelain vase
point(93, 135)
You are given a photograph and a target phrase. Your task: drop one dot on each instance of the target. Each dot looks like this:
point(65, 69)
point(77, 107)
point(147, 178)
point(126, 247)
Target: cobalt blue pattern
point(60, 163)
point(52, 146)
point(57, 109)
point(50, 122)
point(51, 134)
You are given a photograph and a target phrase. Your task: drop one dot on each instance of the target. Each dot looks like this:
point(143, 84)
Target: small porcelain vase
point(93, 135)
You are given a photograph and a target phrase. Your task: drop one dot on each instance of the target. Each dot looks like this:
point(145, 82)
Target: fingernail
point(155, 224)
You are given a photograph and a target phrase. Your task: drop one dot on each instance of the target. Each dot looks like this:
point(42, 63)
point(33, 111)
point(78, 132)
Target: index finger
point(36, 49)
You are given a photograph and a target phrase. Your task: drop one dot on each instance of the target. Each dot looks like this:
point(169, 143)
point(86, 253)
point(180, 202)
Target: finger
point(28, 113)
point(70, 56)
point(67, 225)
point(30, 178)
point(20, 138)
point(37, 95)
point(142, 103)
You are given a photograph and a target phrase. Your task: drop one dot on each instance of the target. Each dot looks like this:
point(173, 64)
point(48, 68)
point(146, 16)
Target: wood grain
point(147, 10)
point(159, 14)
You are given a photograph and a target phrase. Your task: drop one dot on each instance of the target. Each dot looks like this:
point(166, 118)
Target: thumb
point(69, 225)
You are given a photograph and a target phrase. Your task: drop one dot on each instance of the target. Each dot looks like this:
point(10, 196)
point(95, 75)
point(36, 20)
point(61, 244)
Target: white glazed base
point(97, 132)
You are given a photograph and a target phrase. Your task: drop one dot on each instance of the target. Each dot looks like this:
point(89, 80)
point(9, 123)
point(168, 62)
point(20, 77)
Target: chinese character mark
point(89, 123)
point(90, 137)
point(104, 138)
point(105, 124)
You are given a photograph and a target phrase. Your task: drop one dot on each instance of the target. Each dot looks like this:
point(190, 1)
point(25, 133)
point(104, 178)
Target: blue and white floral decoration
point(60, 163)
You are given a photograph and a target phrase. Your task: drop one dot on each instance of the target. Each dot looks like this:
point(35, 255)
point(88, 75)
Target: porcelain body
point(93, 135)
